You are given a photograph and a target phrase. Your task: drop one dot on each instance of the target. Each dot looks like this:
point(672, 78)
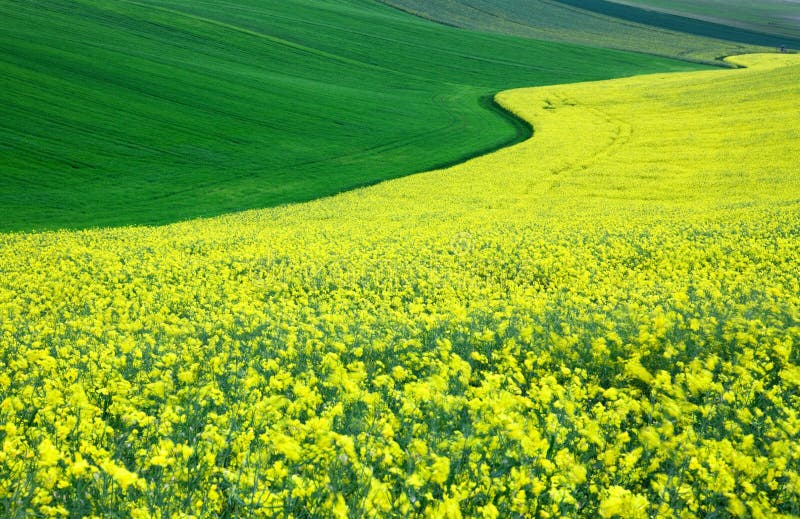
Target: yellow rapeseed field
point(601, 321)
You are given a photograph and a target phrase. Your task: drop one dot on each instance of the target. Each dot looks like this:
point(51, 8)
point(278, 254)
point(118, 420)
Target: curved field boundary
point(683, 24)
point(553, 327)
point(155, 111)
point(523, 130)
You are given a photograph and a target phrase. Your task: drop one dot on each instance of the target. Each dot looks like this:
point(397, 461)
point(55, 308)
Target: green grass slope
point(780, 17)
point(118, 112)
point(573, 22)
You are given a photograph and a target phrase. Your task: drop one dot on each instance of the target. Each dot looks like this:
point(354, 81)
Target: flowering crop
point(601, 321)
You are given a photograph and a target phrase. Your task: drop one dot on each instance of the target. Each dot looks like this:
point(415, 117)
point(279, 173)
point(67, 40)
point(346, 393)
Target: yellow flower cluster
point(601, 321)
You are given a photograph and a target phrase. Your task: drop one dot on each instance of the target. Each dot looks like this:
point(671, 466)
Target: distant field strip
point(581, 22)
point(766, 16)
point(685, 24)
point(601, 321)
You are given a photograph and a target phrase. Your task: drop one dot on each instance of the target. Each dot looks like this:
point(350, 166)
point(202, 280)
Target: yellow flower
point(621, 502)
point(79, 466)
point(447, 509)
point(791, 375)
point(340, 510)
point(121, 475)
point(48, 453)
point(440, 470)
point(635, 369)
point(489, 512)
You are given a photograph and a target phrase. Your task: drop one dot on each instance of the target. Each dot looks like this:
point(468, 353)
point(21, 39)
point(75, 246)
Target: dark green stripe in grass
point(682, 24)
point(522, 131)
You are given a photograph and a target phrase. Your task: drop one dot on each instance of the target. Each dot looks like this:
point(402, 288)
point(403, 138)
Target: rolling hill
point(600, 321)
point(151, 111)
